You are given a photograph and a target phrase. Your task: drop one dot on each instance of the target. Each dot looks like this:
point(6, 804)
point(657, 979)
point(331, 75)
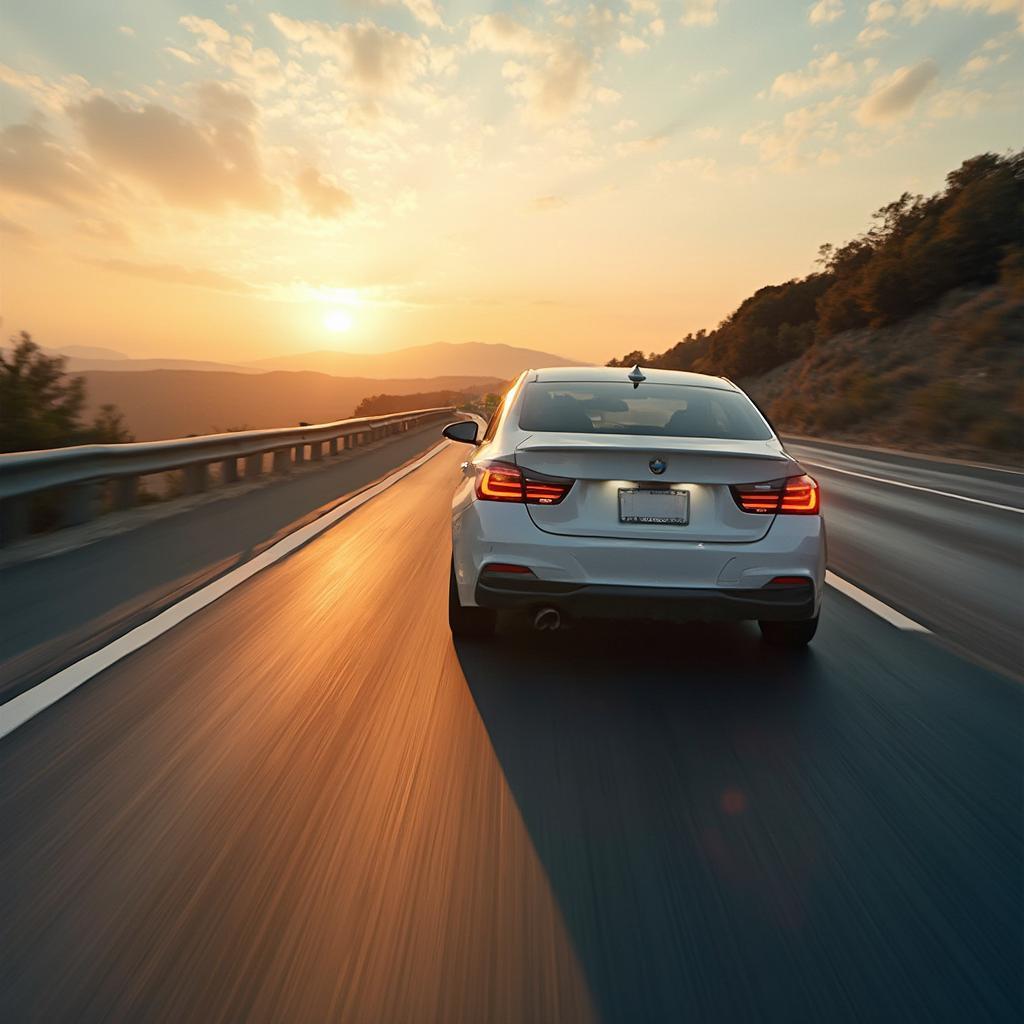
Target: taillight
point(502, 481)
point(795, 495)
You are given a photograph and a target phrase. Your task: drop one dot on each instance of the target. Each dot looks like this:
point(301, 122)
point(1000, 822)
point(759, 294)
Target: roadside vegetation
point(910, 335)
point(41, 406)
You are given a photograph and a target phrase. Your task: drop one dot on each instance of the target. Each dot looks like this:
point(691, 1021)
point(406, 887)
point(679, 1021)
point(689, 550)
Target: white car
point(600, 492)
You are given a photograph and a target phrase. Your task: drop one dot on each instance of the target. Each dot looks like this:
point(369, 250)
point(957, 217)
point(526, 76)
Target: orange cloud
point(205, 165)
point(322, 198)
point(34, 164)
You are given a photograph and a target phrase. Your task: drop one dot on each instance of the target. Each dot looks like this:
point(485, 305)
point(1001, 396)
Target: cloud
point(33, 163)
point(631, 44)
point(170, 273)
point(805, 135)
point(322, 197)
point(14, 230)
point(102, 230)
point(54, 95)
point(553, 89)
point(871, 34)
point(558, 78)
point(379, 61)
point(259, 66)
point(423, 11)
point(545, 204)
point(647, 144)
point(185, 58)
point(959, 103)
point(825, 11)
point(829, 72)
point(894, 97)
point(915, 10)
point(126, 30)
point(500, 33)
point(975, 66)
point(699, 12)
point(207, 164)
point(880, 10)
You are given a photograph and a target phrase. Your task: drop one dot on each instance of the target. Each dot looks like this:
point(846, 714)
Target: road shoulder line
point(912, 487)
point(879, 608)
point(29, 703)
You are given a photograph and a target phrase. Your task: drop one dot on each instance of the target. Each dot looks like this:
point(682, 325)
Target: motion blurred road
point(304, 804)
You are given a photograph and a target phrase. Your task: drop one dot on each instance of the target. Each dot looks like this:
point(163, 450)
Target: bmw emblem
point(658, 466)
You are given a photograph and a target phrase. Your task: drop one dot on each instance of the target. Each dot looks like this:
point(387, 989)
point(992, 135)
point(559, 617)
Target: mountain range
point(178, 403)
point(443, 359)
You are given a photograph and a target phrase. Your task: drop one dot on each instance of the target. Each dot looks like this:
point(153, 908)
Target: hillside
point(175, 403)
point(469, 358)
point(910, 334)
point(947, 381)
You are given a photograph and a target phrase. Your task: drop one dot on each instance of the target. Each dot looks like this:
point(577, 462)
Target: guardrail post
point(196, 478)
point(15, 518)
point(316, 451)
point(282, 460)
point(253, 466)
point(79, 503)
point(300, 454)
point(333, 446)
point(229, 471)
point(126, 492)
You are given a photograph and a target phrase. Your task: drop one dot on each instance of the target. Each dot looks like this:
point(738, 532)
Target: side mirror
point(464, 431)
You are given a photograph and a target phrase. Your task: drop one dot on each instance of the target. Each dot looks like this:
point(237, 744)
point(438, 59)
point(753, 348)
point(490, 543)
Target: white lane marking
point(912, 487)
point(895, 618)
point(26, 705)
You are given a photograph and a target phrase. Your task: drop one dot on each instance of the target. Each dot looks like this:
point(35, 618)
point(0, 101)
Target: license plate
point(661, 507)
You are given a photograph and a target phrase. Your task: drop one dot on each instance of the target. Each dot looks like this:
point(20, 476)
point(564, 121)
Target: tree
point(109, 427)
point(41, 406)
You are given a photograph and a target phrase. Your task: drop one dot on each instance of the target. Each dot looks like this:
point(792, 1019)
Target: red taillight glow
point(795, 495)
point(506, 569)
point(790, 581)
point(501, 481)
point(498, 482)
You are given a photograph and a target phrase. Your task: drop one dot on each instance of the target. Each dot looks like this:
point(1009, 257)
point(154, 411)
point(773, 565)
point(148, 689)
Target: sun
point(338, 320)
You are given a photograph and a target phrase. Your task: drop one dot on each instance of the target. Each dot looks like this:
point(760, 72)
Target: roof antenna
point(636, 375)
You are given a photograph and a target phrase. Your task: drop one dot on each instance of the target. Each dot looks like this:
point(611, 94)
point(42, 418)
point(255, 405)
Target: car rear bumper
point(673, 604)
point(489, 532)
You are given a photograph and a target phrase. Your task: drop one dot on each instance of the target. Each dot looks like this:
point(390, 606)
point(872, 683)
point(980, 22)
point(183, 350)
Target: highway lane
point(304, 804)
point(58, 609)
point(954, 566)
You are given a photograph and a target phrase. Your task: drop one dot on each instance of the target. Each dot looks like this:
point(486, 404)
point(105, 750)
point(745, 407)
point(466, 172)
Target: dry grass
point(950, 381)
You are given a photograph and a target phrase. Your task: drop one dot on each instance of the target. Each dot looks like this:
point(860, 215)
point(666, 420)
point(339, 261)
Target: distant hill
point(79, 364)
point(175, 403)
point(87, 352)
point(472, 358)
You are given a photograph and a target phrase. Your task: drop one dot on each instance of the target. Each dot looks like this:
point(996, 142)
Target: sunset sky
point(235, 180)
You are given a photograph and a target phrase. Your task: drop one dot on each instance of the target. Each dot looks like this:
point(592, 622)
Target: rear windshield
point(660, 410)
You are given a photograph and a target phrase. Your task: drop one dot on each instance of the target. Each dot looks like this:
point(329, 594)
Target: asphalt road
point(955, 566)
point(304, 804)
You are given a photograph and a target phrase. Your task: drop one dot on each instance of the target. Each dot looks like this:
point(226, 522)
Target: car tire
point(468, 622)
point(789, 634)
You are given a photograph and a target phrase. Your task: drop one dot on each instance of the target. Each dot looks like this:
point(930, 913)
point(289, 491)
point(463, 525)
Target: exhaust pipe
point(547, 619)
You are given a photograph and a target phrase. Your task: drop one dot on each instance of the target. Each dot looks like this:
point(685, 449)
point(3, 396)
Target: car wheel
point(468, 622)
point(789, 634)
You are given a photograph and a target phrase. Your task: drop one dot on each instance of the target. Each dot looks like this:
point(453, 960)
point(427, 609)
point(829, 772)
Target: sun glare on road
point(338, 320)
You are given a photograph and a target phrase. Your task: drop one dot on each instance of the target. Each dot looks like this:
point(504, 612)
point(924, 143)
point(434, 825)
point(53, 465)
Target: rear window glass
point(659, 410)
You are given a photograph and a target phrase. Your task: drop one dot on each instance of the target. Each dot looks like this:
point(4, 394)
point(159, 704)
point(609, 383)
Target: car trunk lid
point(703, 468)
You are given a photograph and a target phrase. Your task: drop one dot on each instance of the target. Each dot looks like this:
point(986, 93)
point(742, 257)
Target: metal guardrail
point(78, 474)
